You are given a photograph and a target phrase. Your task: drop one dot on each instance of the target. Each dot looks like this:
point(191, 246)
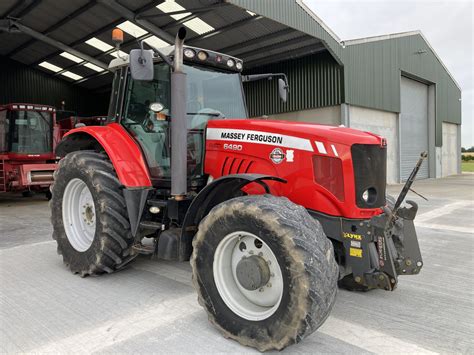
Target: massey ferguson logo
point(286, 142)
point(277, 155)
point(252, 137)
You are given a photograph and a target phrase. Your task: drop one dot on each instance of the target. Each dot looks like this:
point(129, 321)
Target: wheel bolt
point(272, 275)
point(261, 289)
point(269, 284)
point(251, 252)
point(269, 262)
point(260, 254)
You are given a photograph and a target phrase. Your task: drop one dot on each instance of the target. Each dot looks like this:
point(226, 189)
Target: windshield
point(30, 132)
point(210, 94)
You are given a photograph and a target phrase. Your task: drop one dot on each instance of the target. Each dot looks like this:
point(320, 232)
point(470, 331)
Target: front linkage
point(397, 250)
point(373, 253)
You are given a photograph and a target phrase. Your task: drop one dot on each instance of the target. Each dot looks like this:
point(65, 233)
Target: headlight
point(202, 55)
point(189, 53)
point(230, 63)
point(239, 65)
point(369, 195)
point(365, 195)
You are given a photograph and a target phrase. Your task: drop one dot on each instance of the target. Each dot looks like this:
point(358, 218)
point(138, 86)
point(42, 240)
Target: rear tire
point(89, 215)
point(306, 264)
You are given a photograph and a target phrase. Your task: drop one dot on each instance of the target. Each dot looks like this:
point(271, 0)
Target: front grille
point(370, 174)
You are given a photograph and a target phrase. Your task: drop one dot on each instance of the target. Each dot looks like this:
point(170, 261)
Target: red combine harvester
point(67, 120)
point(27, 140)
point(272, 214)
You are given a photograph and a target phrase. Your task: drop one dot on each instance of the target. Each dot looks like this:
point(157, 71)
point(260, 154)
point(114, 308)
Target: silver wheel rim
point(251, 305)
point(79, 215)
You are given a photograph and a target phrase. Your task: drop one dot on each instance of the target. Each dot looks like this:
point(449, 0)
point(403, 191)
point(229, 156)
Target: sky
point(447, 25)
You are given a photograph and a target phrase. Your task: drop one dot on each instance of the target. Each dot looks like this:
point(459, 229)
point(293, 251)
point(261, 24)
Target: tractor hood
point(273, 131)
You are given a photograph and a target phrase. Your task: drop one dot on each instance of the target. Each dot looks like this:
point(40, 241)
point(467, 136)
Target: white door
point(450, 152)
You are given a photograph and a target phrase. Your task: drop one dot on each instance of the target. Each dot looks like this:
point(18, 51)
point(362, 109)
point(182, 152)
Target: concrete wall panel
point(384, 124)
point(324, 115)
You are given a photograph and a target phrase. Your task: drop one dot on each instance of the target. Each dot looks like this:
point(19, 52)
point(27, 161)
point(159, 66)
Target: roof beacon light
point(117, 38)
point(230, 63)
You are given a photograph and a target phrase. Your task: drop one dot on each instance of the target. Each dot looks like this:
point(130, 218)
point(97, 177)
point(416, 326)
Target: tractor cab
point(213, 91)
point(27, 140)
point(26, 131)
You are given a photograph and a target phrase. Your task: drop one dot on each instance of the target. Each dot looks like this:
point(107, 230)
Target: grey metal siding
point(20, 83)
point(373, 70)
point(315, 81)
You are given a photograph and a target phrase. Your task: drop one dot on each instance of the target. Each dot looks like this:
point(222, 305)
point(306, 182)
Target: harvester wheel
point(89, 215)
point(27, 193)
point(264, 271)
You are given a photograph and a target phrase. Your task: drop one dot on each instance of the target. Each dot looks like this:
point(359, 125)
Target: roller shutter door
point(414, 126)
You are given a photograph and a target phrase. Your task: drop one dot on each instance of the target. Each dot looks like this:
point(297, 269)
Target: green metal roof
point(295, 14)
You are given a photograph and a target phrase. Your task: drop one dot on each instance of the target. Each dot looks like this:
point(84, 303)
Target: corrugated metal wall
point(315, 81)
point(373, 71)
point(19, 83)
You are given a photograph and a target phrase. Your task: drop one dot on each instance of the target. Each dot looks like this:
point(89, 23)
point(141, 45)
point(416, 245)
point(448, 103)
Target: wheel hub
point(88, 214)
point(248, 276)
point(79, 218)
point(253, 272)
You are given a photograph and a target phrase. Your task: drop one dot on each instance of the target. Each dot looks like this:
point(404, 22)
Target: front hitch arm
point(395, 237)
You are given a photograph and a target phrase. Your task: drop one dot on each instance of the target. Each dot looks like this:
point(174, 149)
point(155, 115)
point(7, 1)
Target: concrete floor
point(151, 306)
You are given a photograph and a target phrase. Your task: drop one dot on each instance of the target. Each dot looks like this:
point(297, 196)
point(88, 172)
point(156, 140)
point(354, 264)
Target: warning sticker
point(356, 252)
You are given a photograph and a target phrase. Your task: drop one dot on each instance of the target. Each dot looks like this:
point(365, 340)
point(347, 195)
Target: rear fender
point(122, 150)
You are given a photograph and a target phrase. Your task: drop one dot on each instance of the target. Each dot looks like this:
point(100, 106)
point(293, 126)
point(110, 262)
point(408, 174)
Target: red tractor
point(27, 139)
point(272, 214)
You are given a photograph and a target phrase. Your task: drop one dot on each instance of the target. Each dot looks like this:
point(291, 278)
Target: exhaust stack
point(179, 139)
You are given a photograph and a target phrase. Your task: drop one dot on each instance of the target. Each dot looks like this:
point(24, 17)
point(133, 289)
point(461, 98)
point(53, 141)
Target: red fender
point(123, 151)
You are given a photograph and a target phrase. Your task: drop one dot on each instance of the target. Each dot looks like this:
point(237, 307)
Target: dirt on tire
point(111, 246)
point(305, 256)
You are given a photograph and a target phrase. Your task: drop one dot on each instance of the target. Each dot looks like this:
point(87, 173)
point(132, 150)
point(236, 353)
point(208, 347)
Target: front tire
point(264, 271)
point(89, 215)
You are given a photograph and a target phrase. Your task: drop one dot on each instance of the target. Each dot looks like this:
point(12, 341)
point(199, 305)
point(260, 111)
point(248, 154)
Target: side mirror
point(141, 64)
point(283, 89)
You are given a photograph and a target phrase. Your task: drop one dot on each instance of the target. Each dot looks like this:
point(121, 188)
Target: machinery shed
point(393, 85)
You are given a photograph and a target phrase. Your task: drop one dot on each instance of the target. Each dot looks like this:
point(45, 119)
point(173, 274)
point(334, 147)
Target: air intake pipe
point(179, 132)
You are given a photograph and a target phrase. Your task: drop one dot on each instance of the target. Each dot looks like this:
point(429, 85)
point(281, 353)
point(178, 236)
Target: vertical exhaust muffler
point(179, 180)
